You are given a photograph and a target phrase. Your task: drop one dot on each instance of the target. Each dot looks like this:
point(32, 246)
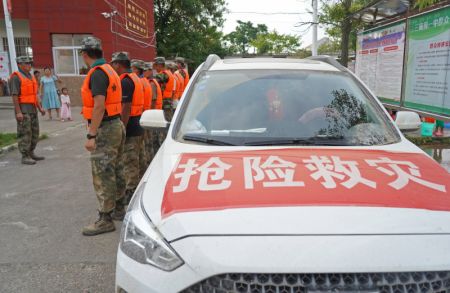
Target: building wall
point(47, 17)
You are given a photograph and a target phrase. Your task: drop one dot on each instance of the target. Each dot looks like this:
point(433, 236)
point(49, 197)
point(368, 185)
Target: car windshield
point(281, 107)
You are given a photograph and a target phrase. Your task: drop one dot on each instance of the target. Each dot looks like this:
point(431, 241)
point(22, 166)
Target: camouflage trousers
point(134, 161)
point(28, 133)
point(153, 141)
point(107, 164)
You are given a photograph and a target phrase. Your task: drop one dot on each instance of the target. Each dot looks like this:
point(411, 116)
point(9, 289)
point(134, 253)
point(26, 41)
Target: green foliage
point(334, 13)
point(274, 43)
point(241, 38)
point(7, 138)
point(302, 53)
point(189, 28)
point(421, 4)
point(329, 48)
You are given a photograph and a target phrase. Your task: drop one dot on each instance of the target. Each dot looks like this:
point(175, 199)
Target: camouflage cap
point(160, 60)
point(91, 43)
point(120, 56)
point(171, 65)
point(24, 59)
point(148, 66)
point(179, 60)
point(138, 63)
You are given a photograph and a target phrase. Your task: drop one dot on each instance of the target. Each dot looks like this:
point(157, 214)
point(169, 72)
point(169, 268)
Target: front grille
point(420, 282)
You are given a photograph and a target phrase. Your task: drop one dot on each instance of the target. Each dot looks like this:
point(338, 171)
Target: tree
point(274, 43)
point(339, 24)
point(329, 48)
point(189, 28)
point(240, 39)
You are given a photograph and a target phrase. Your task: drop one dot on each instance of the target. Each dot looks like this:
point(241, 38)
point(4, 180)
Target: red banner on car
point(305, 177)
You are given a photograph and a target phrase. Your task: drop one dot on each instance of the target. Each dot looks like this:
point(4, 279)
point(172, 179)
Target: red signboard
point(136, 19)
point(305, 177)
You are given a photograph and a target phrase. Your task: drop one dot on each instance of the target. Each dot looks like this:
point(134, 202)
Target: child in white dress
point(66, 113)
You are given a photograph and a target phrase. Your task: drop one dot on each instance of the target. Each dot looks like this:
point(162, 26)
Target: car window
point(262, 107)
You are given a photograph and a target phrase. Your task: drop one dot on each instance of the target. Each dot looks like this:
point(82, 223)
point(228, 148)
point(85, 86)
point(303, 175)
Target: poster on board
point(427, 73)
point(4, 65)
point(379, 60)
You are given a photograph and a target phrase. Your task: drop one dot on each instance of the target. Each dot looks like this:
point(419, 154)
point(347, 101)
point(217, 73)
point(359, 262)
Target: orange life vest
point(28, 89)
point(137, 104)
point(113, 99)
point(148, 93)
point(170, 85)
point(180, 85)
point(185, 74)
point(158, 103)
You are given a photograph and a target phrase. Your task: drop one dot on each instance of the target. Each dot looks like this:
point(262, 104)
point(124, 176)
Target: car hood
point(296, 191)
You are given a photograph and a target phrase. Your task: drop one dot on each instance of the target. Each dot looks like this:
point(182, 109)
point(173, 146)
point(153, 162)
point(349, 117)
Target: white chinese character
point(446, 19)
point(425, 25)
point(421, 26)
point(329, 170)
point(212, 170)
point(403, 177)
point(435, 22)
point(185, 176)
point(280, 173)
point(441, 21)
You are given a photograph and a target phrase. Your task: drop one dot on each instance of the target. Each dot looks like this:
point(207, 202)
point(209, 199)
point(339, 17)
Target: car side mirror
point(407, 120)
point(153, 119)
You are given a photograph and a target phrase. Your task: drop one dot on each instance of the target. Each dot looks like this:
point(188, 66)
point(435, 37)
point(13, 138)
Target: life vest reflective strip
point(148, 93)
point(28, 88)
point(157, 104)
point(137, 103)
point(113, 99)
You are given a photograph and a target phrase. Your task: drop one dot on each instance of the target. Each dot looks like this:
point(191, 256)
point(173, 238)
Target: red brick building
point(51, 31)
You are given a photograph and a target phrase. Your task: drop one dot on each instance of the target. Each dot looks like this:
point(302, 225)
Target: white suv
point(283, 175)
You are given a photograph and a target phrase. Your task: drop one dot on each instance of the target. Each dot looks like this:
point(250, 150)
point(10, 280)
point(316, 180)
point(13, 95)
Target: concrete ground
point(42, 210)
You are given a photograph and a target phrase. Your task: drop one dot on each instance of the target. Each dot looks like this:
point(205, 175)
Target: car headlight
point(141, 241)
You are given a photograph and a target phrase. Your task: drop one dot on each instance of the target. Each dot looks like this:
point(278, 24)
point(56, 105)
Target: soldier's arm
point(127, 98)
point(99, 85)
point(15, 92)
point(97, 114)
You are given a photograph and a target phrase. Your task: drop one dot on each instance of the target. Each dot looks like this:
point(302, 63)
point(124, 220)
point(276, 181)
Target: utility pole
point(314, 27)
point(10, 36)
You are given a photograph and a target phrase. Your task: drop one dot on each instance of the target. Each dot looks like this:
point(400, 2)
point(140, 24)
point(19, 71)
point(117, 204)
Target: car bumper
point(211, 256)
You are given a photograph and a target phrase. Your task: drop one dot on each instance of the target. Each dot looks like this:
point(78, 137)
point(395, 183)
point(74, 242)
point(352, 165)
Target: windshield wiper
point(206, 140)
point(320, 141)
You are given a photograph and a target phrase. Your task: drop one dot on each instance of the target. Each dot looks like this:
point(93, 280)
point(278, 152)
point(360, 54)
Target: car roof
point(271, 63)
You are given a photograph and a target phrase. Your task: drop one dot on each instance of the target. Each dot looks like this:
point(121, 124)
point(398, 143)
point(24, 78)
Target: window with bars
point(66, 58)
point(23, 46)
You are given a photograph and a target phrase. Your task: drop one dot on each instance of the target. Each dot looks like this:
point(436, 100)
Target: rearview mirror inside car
point(153, 119)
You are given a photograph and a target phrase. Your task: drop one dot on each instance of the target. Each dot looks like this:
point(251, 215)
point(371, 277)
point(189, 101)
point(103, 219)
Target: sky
point(265, 9)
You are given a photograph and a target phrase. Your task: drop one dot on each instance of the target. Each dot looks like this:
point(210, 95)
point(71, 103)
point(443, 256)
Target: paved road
point(42, 211)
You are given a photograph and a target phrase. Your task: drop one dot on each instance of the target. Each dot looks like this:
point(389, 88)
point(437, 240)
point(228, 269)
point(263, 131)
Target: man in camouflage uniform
point(131, 89)
point(101, 94)
point(166, 80)
point(137, 66)
point(155, 137)
point(26, 104)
